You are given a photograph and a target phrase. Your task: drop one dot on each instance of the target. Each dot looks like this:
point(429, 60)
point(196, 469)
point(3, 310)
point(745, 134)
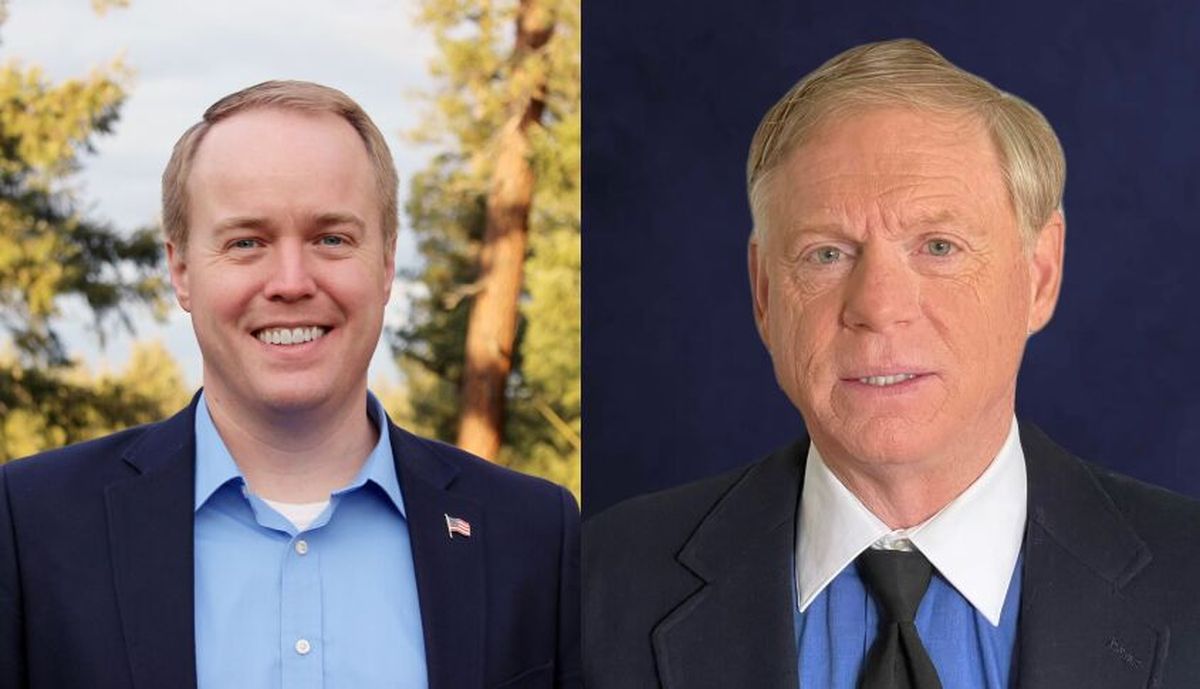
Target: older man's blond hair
point(909, 73)
point(299, 96)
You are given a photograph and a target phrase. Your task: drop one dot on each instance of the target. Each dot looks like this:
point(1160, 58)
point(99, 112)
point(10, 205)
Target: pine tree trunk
point(492, 326)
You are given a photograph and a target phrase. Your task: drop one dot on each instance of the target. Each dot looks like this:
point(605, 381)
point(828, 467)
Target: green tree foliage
point(51, 252)
point(48, 409)
point(476, 89)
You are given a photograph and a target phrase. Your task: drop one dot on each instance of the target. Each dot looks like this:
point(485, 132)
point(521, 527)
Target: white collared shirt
point(973, 542)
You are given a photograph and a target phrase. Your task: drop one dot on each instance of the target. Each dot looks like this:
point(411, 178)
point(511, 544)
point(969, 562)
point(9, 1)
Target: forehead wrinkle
point(821, 183)
point(893, 211)
point(980, 187)
point(917, 201)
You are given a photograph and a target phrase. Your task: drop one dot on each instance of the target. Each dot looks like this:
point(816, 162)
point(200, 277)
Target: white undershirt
point(974, 541)
point(301, 514)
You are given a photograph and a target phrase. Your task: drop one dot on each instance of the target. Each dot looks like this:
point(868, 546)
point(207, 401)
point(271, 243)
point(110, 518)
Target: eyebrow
point(320, 220)
point(942, 217)
point(820, 229)
point(241, 222)
point(335, 218)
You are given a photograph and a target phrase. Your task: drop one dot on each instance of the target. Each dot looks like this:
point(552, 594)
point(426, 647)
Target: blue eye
point(332, 240)
point(827, 255)
point(939, 247)
point(244, 244)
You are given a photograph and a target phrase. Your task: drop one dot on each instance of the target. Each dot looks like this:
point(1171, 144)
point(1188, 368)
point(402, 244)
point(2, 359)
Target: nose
point(289, 277)
point(883, 292)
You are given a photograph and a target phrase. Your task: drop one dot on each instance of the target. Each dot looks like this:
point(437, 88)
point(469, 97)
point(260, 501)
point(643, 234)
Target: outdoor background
point(678, 385)
point(93, 95)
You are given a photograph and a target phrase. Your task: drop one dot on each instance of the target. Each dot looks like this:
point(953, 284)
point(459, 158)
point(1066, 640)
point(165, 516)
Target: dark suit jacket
point(693, 588)
point(96, 566)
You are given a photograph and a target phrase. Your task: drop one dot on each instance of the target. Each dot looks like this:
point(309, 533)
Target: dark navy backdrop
point(676, 383)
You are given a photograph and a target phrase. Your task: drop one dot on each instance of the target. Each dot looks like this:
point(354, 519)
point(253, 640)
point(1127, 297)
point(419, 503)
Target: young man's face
point(285, 271)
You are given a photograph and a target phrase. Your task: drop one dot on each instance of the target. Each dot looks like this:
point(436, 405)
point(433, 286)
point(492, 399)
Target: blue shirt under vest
point(332, 606)
point(837, 629)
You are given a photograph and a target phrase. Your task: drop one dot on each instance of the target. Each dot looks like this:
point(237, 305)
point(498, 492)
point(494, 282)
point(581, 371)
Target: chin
point(888, 452)
point(891, 441)
point(293, 395)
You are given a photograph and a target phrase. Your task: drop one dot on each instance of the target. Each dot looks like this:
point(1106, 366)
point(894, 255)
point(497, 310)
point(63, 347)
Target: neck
point(294, 455)
point(905, 494)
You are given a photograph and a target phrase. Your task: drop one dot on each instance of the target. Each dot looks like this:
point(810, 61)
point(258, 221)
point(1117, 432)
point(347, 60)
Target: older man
point(908, 239)
point(280, 531)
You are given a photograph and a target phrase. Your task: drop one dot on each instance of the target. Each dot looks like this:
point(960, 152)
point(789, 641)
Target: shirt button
point(303, 647)
point(301, 547)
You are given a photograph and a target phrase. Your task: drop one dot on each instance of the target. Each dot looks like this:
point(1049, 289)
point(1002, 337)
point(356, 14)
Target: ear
point(1046, 268)
point(389, 270)
point(177, 265)
point(759, 287)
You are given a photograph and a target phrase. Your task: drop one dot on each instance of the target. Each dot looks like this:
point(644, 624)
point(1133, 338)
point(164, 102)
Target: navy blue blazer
point(692, 588)
point(96, 566)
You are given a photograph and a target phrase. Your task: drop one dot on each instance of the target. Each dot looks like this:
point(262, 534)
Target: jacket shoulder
point(1166, 520)
point(80, 462)
point(657, 521)
point(630, 551)
point(633, 573)
point(1157, 516)
point(644, 529)
point(498, 486)
point(1162, 581)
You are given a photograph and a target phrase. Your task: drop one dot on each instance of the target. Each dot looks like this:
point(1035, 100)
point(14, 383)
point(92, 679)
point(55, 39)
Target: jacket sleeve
point(12, 638)
point(569, 674)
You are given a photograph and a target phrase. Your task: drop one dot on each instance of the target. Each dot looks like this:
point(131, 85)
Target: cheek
point(223, 295)
point(981, 320)
point(356, 288)
point(1007, 303)
point(804, 326)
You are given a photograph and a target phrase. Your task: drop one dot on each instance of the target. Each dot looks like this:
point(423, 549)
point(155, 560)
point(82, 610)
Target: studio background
point(677, 383)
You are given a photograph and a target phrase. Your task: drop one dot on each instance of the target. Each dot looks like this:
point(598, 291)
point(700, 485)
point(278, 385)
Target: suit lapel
point(1076, 628)
point(151, 541)
point(737, 629)
point(449, 570)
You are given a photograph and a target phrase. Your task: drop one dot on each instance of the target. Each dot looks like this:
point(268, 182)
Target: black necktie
point(897, 660)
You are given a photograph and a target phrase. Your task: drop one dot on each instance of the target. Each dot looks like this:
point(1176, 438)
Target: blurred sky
point(185, 56)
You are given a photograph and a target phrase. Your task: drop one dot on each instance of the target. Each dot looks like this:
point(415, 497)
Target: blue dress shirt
point(332, 606)
point(837, 629)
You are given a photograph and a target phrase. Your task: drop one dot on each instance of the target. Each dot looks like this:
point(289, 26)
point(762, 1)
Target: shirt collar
point(974, 541)
point(215, 466)
point(380, 467)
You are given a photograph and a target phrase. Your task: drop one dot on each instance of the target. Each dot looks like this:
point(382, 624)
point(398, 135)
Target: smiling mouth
point(885, 381)
point(290, 336)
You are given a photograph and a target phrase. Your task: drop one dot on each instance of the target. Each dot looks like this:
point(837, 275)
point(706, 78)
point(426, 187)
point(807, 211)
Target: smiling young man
point(280, 531)
point(908, 240)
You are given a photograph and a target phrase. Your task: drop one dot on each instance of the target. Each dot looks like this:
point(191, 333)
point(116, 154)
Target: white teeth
point(290, 336)
point(881, 381)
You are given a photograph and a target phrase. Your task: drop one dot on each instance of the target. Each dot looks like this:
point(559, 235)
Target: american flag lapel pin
point(454, 525)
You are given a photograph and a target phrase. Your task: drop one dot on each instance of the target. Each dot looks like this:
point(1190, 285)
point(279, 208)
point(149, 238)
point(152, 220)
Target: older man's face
point(893, 288)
